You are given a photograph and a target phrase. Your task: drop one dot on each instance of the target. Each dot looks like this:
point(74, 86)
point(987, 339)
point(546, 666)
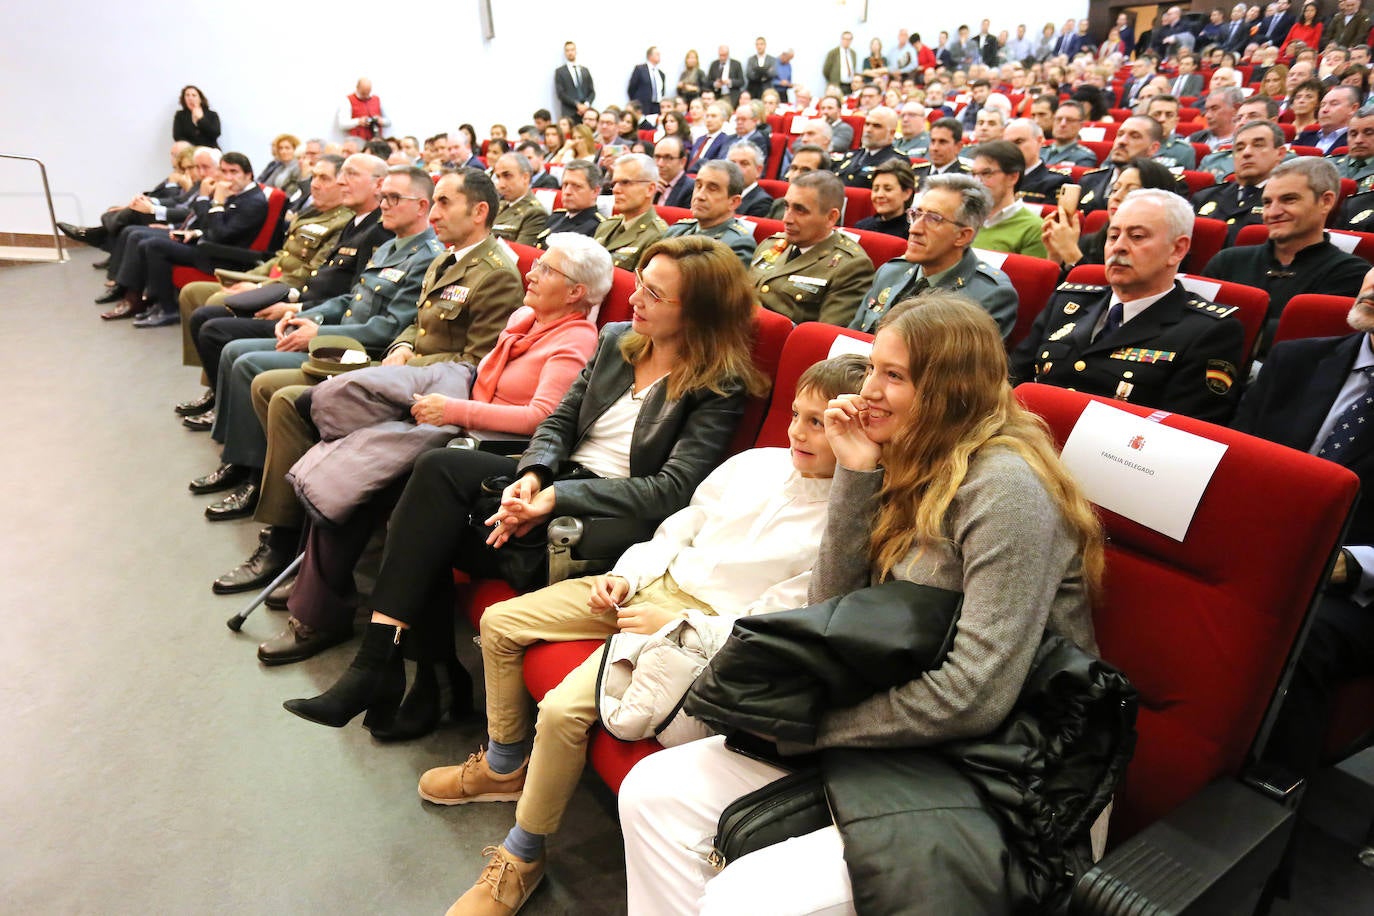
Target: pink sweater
point(532, 384)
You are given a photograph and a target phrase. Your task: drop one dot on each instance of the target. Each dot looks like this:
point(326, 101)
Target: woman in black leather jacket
point(644, 423)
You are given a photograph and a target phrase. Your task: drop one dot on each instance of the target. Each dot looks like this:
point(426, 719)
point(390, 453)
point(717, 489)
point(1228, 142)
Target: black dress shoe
point(113, 294)
point(262, 567)
point(101, 265)
point(200, 423)
point(74, 232)
point(240, 504)
point(298, 642)
point(224, 477)
point(197, 405)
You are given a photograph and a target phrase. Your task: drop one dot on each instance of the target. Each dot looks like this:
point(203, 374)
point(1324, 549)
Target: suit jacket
point(680, 195)
point(830, 71)
point(755, 203)
point(1180, 354)
point(1345, 35)
point(1127, 36)
point(987, 48)
point(238, 221)
point(841, 136)
point(716, 149)
point(1290, 401)
point(733, 72)
point(758, 78)
point(675, 443)
point(641, 87)
point(1192, 85)
point(1235, 36)
point(1132, 85)
point(1274, 29)
point(569, 95)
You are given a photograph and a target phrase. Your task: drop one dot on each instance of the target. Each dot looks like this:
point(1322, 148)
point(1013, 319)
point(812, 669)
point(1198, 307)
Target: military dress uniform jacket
point(897, 280)
point(825, 283)
point(382, 302)
point(1097, 187)
point(1181, 354)
point(583, 222)
point(463, 305)
point(1176, 152)
point(1073, 154)
point(1319, 268)
point(856, 169)
point(1360, 171)
point(627, 242)
point(1357, 213)
point(343, 265)
point(924, 170)
point(520, 220)
point(309, 244)
point(734, 233)
point(1041, 185)
point(918, 145)
point(1235, 205)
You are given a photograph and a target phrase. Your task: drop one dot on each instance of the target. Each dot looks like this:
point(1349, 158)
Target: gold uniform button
point(1045, 355)
point(799, 297)
point(348, 313)
point(358, 297)
point(422, 332)
point(314, 273)
point(1079, 366)
point(763, 288)
point(1128, 375)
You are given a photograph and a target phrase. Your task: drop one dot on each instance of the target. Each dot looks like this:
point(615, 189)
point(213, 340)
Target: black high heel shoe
point(373, 682)
point(426, 703)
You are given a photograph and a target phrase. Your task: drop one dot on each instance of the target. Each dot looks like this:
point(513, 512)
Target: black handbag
point(522, 561)
point(791, 806)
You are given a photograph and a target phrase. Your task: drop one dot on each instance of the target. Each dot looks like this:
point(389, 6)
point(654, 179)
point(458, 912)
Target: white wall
point(92, 86)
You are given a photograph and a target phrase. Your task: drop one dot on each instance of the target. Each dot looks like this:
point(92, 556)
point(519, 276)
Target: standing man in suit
point(1189, 81)
point(761, 70)
point(841, 63)
point(987, 45)
point(1308, 392)
point(1126, 33)
point(1348, 25)
point(726, 76)
point(1276, 25)
point(647, 83)
point(573, 85)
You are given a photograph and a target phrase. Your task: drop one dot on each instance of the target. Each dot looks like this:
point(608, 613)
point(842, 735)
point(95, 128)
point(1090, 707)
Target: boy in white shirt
point(744, 545)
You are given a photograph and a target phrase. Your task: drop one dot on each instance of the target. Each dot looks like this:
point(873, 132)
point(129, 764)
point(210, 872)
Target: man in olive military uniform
point(212, 327)
point(856, 168)
point(520, 218)
point(578, 213)
point(1259, 147)
point(1039, 183)
point(715, 195)
point(1299, 256)
point(634, 225)
point(939, 255)
point(467, 296)
point(1143, 339)
point(310, 241)
point(378, 306)
point(1358, 162)
point(810, 272)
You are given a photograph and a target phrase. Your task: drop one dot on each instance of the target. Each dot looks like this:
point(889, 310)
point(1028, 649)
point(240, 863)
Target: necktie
point(919, 287)
point(846, 69)
point(577, 83)
point(653, 78)
point(1178, 87)
point(1350, 422)
point(792, 253)
point(1115, 314)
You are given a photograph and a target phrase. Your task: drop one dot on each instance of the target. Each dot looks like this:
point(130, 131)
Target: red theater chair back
point(1314, 315)
point(808, 344)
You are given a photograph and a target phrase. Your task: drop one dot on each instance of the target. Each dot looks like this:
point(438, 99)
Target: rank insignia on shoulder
point(1063, 332)
point(1212, 309)
point(1207, 208)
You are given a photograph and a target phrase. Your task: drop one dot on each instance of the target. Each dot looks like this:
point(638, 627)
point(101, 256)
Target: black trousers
point(127, 266)
point(161, 255)
point(1339, 647)
point(212, 328)
point(427, 537)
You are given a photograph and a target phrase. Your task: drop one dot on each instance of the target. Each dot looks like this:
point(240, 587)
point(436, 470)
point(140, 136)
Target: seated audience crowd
point(358, 305)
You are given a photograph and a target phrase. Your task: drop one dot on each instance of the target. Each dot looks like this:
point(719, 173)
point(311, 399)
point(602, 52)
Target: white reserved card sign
point(1141, 470)
point(1092, 134)
point(843, 344)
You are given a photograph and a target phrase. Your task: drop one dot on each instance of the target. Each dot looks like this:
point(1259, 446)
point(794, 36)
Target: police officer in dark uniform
point(1138, 136)
point(1039, 183)
point(1144, 339)
point(1258, 148)
point(578, 214)
point(856, 169)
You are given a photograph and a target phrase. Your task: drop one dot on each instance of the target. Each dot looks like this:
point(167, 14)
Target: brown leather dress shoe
point(298, 642)
point(126, 309)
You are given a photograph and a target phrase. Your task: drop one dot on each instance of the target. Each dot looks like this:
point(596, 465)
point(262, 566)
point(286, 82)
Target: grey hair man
point(634, 225)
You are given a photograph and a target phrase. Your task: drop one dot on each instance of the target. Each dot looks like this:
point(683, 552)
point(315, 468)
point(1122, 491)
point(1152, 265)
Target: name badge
point(457, 294)
point(808, 281)
point(392, 274)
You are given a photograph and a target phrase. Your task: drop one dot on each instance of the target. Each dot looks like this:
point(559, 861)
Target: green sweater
point(1017, 234)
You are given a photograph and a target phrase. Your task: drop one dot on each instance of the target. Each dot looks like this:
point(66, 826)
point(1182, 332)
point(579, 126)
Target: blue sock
point(506, 758)
point(520, 842)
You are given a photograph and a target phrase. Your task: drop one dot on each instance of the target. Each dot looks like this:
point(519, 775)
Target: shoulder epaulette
point(688, 221)
point(1080, 288)
point(844, 242)
point(1211, 309)
point(1100, 168)
point(993, 272)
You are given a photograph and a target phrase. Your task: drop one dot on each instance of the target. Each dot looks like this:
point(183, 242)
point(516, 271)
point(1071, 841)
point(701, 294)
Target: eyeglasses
point(654, 297)
point(916, 214)
point(390, 200)
point(542, 267)
point(981, 174)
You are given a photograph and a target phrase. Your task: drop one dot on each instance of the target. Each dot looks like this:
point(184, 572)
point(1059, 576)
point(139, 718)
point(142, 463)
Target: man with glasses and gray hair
point(939, 255)
point(1142, 338)
point(634, 225)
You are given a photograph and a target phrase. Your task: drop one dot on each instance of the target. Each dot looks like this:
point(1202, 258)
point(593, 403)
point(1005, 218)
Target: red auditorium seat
point(879, 246)
point(1314, 315)
point(856, 122)
point(776, 187)
point(777, 145)
point(276, 203)
point(615, 307)
point(671, 215)
point(1034, 279)
point(858, 204)
point(1209, 235)
point(1363, 242)
point(1100, 149)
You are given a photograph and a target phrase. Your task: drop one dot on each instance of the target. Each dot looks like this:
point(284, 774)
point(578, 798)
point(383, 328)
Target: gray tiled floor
point(146, 765)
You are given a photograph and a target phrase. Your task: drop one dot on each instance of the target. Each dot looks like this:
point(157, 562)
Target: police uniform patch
point(1070, 308)
point(1221, 376)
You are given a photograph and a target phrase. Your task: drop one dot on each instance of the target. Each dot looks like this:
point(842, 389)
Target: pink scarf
point(515, 340)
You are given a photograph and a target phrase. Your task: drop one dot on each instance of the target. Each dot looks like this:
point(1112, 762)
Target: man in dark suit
point(1188, 82)
point(714, 143)
point(1144, 338)
point(1236, 33)
point(726, 76)
point(1347, 26)
point(754, 200)
point(573, 85)
point(647, 83)
point(748, 126)
point(987, 45)
point(1126, 33)
point(1274, 28)
point(674, 184)
point(1306, 395)
point(1142, 71)
point(760, 70)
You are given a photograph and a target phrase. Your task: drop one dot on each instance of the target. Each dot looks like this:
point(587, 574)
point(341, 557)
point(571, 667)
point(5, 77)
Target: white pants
point(670, 804)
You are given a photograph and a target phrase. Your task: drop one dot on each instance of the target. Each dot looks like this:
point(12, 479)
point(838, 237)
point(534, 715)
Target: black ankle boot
point(424, 706)
point(373, 682)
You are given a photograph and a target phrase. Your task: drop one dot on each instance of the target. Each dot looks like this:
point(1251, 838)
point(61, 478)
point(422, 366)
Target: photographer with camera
point(361, 114)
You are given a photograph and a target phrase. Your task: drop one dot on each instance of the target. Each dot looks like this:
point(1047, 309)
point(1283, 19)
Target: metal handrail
point(47, 193)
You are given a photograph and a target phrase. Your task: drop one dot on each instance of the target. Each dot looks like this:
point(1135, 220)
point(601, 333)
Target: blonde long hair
point(963, 404)
point(718, 307)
